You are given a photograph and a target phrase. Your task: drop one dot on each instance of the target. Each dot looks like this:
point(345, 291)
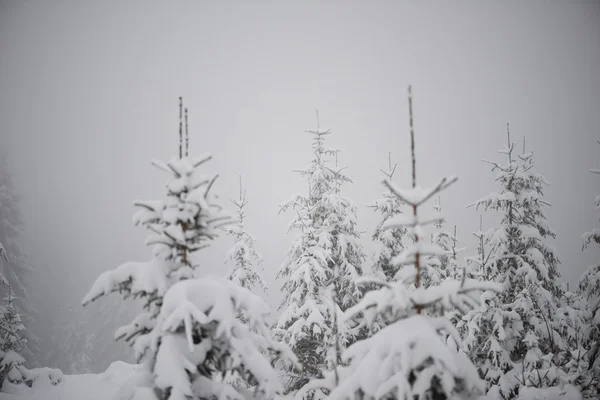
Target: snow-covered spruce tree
point(588, 301)
point(320, 270)
point(514, 340)
point(243, 254)
point(12, 342)
point(245, 259)
point(190, 336)
point(13, 370)
point(409, 358)
point(15, 268)
point(391, 242)
point(573, 319)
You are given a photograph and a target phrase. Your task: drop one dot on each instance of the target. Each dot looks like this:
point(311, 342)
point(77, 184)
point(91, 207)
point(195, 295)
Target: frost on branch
point(201, 339)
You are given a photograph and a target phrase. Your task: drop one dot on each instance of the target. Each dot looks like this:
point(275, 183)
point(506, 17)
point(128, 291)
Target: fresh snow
point(112, 384)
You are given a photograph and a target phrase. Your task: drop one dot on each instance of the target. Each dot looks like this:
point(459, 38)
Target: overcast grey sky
point(88, 97)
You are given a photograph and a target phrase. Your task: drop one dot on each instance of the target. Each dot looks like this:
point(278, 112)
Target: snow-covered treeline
point(418, 319)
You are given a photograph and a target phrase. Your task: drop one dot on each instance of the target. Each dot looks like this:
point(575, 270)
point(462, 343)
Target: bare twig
point(187, 134)
point(180, 127)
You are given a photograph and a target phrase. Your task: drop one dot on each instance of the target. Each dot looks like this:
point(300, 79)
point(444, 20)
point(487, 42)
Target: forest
point(418, 319)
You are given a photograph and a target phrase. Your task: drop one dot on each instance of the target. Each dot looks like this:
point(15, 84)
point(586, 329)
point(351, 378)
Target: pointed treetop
point(242, 201)
point(390, 171)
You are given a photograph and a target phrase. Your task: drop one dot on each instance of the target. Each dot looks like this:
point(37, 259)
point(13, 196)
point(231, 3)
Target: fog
point(88, 97)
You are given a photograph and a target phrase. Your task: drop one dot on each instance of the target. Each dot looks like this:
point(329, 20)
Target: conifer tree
point(190, 335)
point(320, 270)
point(408, 358)
point(13, 370)
point(243, 254)
point(588, 297)
point(514, 340)
point(391, 242)
point(12, 341)
point(14, 266)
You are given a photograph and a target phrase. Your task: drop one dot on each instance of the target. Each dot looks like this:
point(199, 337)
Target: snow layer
point(104, 386)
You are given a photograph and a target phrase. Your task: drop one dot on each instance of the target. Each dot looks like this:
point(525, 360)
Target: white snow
point(104, 386)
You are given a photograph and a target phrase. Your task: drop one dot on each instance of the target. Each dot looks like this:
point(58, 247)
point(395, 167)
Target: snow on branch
point(410, 221)
point(136, 278)
point(318, 132)
point(417, 195)
point(401, 361)
point(395, 300)
point(200, 317)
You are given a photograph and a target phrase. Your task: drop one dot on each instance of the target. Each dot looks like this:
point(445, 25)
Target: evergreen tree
point(190, 335)
point(588, 297)
point(515, 342)
point(409, 358)
point(243, 254)
point(14, 266)
point(320, 270)
point(12, 342)
point(391, 242)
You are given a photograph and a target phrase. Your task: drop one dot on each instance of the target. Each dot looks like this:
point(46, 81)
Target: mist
point(89, 96)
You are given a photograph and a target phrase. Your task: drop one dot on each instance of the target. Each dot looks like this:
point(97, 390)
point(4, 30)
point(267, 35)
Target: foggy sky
point(88, 97)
